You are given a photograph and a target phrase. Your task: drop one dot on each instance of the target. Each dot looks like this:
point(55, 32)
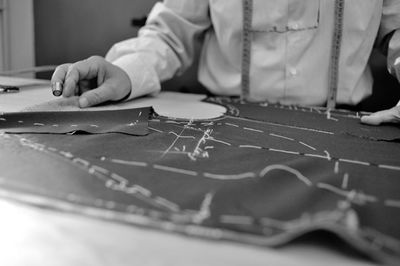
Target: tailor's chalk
point(57, 88)
point(8, 89)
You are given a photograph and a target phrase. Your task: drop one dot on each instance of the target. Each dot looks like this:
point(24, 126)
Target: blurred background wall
point(16, 34)
point(72, 30)
point(68, 31)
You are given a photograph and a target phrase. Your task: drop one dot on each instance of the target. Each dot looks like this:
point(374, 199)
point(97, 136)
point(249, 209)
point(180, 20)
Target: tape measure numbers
point(246, 49)
point(335, 54)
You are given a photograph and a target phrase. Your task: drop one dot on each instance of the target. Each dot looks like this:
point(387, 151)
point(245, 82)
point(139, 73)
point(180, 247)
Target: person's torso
point(290, 53)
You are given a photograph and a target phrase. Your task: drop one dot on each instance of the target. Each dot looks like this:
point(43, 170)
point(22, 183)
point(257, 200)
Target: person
point(265, 50)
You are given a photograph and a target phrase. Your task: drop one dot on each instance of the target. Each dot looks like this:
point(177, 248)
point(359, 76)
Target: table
point(45, 237)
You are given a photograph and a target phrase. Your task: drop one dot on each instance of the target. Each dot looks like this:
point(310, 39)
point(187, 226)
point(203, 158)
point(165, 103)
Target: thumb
point(96, 96)
point(386, 116)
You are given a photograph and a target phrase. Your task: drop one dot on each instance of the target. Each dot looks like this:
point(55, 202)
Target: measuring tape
point(335, 54)
point(246, 49)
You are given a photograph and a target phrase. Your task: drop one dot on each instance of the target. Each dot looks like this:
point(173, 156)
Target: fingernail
point(83, 102)
point(370, 120)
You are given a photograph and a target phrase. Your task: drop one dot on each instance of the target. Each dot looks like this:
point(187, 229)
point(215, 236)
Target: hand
point(94, 79)
point(387, 116)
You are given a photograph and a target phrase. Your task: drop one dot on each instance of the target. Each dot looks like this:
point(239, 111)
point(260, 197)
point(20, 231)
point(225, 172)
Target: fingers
point(83, 77)
point(115, 86)
point(386, 116)
point(59, 75)
point(103, 93)
point(71, 75)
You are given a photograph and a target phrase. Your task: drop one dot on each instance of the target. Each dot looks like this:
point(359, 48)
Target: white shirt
point(290, 52)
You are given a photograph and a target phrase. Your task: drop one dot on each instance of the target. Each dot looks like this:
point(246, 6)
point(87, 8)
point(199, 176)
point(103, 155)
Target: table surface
point(35, 236)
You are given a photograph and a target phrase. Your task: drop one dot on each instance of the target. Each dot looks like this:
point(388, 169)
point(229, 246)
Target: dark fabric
point(339, 122)
point(262, 175)
point(129, 121)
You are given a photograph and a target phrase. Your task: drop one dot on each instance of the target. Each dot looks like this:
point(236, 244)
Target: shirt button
point(295, 26)
point(293, 71)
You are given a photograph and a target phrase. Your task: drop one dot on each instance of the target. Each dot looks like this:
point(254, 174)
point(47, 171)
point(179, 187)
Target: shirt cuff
point(143, 77)
point(393, 57)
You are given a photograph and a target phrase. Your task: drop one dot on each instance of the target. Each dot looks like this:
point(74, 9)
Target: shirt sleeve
point(390, 25)
point(164, 46)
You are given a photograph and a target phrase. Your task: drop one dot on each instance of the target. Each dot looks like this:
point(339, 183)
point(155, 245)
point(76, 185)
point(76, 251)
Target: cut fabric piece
point(317, 118)
point(128, 121)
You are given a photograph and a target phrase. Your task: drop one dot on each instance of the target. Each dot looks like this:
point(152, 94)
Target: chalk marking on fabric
point(316, 110)
point(138, 189)
point(389, 167)
point(336, 168)
point(250, 146)
point(302, 128)
point(99, 169)
point(3, 119)
point(328, 113)
point(286, 126)
point(178, 136)
point(207, 124)
point(132, 163)
point(283, 151)
point(132, 124)
point(307, 145)
point(279, 136)
point(20, 122)
point(175, 170)
point(253, 129)
point(94, 126)
point(182, 137)
point(345, 182)
point(286, 168)
point(156, 130)
point(354, 162)
point(55, 125)
point(119, 178)
point(328, 156)
point(198, 152)
point(220, 141)
point(112, 184)
point(74, 125)
point(38, 124)
point(229, 177)
point(168, 204)
point(104, 175)
point(205, 209)
point(81, 162)
point(172, 122)
point(354, 196)
point(66, 154)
